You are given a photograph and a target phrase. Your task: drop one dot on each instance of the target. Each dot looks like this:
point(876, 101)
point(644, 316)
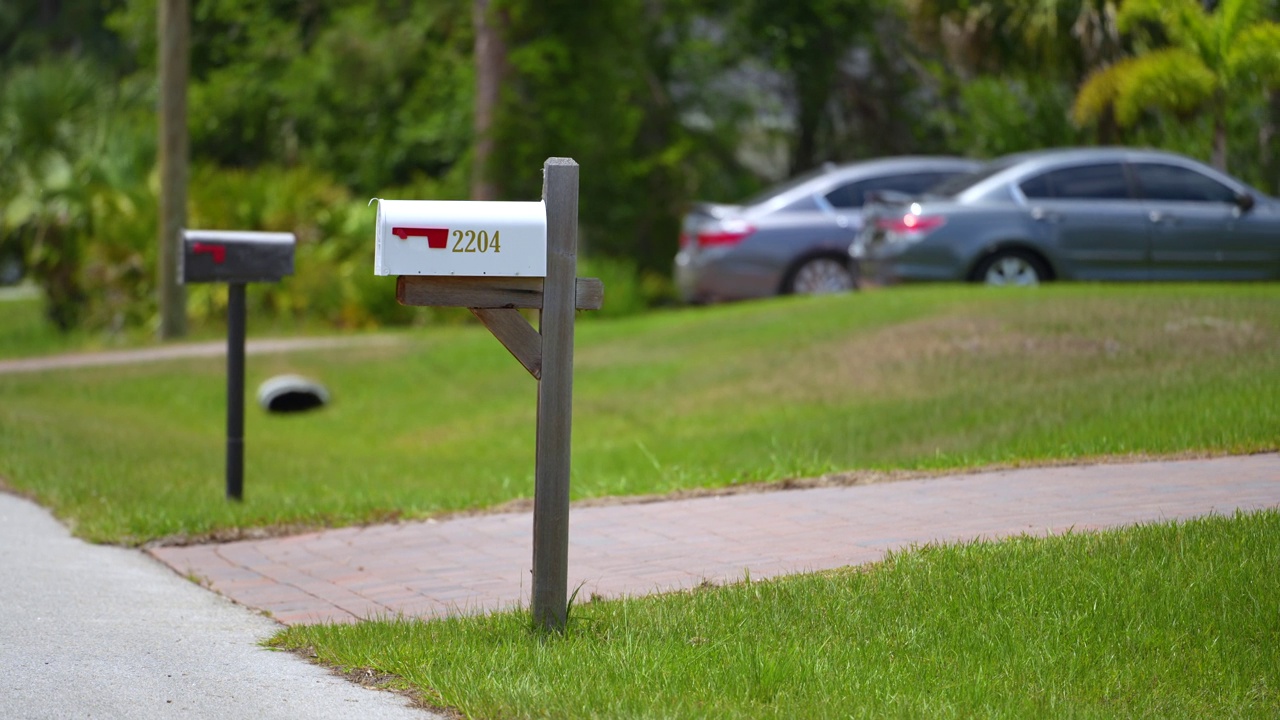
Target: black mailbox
point(235, 256)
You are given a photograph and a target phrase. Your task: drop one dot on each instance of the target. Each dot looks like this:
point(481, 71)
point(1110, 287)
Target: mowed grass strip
point(916, 378)
point(1163, 620)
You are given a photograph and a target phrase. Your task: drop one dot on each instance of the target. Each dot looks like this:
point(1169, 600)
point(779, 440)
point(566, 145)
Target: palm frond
point(1233, 18)
point(1098, 93)
point(1253, 61)
point(1185, 22)
point(1175, 80)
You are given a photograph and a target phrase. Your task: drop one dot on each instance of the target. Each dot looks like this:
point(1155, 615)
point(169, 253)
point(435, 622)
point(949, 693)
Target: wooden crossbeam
point(488, 292)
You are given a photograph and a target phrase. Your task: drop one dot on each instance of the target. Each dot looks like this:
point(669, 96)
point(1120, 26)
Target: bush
point(627, 291)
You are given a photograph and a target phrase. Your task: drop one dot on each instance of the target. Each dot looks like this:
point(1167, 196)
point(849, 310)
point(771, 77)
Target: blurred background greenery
point(303, 110)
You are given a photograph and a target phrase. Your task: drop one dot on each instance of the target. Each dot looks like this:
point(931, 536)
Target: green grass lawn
point(24, 332)
point(908, 378)
point(1172, 620)
point(1169, 621)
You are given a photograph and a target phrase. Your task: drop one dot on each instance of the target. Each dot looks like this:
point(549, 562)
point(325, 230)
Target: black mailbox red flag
point(219, 252)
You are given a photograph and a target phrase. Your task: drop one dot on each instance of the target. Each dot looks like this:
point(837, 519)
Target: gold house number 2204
point(469, 241)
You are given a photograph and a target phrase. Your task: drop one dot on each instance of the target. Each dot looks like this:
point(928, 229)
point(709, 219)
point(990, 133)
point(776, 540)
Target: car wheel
point(1012, 267)
point(821, 275)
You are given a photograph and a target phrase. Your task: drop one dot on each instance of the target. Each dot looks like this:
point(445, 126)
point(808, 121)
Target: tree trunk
point(811, 98)
point(173, 26)
point(1108, 129)
point(1266, 138)
point(491, 70)
point(58, 271)
point(1220, 141)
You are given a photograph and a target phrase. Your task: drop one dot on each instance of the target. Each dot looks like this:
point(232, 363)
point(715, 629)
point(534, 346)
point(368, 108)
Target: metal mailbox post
point(493, 258)
point(235, 258)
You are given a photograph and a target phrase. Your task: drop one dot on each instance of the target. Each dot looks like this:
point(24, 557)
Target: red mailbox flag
point(219, 252)
point(437, 238)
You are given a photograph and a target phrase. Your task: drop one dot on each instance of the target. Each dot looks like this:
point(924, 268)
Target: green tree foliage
point(667, 102)
point(333, 281)
point(1006, 69)
point(1188, 60)
point(807, 43)
point(1048, 39)
point(375, 94)
point(36, 30)
point(623, 88)
point(302, 110)
point(74, 158)
point(998, 115)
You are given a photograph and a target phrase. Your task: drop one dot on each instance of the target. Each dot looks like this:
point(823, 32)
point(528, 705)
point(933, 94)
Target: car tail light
point(911, 224)
point(730, 233)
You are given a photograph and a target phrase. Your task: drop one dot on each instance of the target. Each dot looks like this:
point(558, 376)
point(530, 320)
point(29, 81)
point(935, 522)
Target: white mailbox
point(459, 237)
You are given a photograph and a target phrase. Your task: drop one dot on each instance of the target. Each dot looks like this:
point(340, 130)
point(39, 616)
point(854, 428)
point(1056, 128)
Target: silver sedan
point(1077, 214)
point(794, 238)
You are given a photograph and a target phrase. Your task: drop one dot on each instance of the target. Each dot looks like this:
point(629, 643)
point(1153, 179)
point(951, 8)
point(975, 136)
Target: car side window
point(1170, 182)
point(849, 195)
point(1037, 187)
point(1105, 181)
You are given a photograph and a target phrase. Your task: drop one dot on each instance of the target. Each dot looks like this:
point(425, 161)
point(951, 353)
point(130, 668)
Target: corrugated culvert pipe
point(291, 394)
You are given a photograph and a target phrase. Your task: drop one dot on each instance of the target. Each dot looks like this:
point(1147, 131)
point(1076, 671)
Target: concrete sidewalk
point(473, 564)
point(90, 631)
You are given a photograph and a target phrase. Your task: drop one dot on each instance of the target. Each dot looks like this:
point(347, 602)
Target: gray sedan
point(1077, 214)
point(794, 238)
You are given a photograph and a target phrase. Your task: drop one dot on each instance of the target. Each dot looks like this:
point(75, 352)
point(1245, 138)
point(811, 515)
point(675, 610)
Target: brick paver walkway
point(481, 563)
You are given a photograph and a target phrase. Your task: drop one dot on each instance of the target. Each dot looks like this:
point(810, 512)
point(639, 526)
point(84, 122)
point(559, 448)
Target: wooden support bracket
point(496, 302)
point(516, 334)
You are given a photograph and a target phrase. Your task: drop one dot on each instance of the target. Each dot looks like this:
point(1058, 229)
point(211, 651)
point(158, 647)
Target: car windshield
point(958, 184)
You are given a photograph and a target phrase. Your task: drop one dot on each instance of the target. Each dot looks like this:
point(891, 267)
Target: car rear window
point(785, 187)
point(953, 186)
point(804, 203)
point(854, 194)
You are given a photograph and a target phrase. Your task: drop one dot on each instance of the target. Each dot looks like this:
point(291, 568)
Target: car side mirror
point(1244, 201)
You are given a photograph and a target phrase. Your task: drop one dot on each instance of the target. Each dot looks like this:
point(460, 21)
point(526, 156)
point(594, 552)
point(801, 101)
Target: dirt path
point(215, 348)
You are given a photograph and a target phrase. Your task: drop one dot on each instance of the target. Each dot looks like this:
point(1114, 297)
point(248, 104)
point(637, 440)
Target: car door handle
point(1158, 217)
point(1045, 215)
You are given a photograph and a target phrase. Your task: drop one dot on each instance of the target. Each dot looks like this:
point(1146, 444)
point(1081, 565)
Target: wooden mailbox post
point(495, 258)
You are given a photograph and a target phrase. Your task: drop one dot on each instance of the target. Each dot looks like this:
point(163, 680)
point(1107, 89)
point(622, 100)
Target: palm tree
point(1208, 60)
point(66, 169)
point(1051, 38)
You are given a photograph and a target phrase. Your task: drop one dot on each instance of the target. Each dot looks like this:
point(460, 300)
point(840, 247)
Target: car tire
point(820, 275)
point(1011, 267)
